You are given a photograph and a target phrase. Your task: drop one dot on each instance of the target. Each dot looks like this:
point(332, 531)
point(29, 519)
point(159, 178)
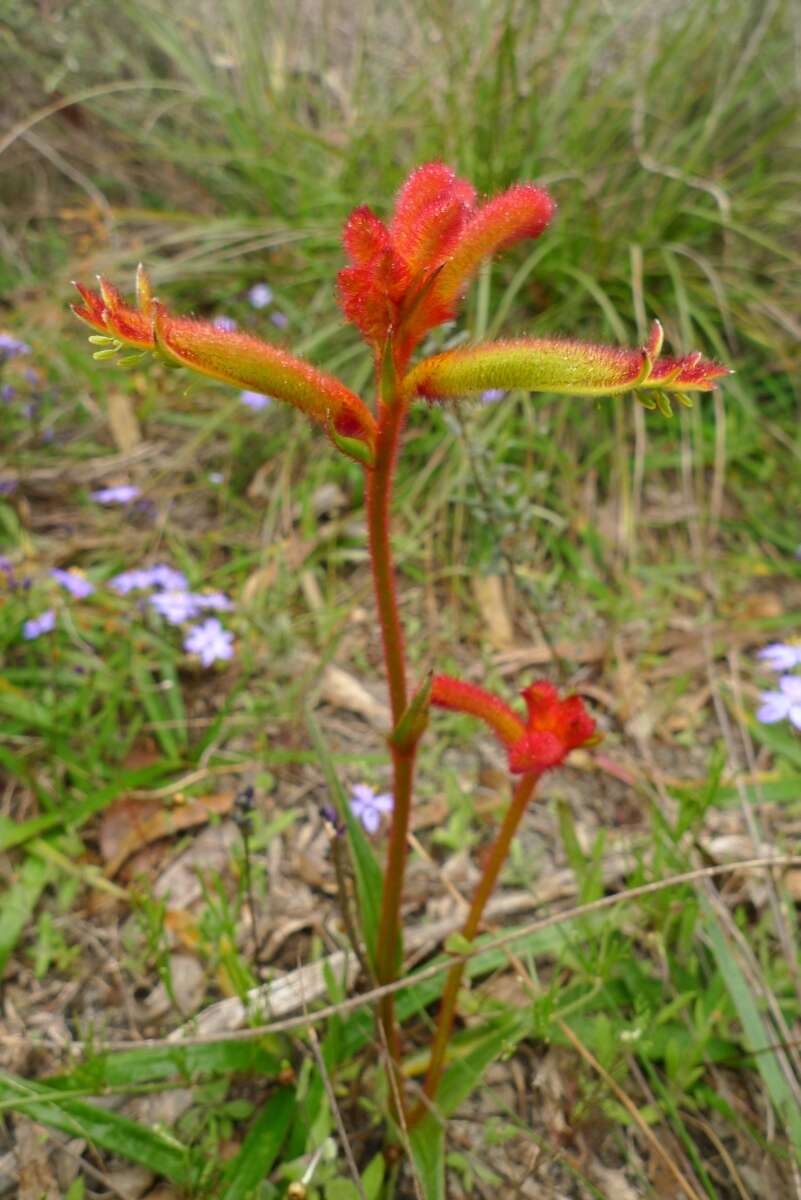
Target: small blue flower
point(779, 656)
point(175, 607)
point(367, 807)
point(260, 295)
point(215, 601)
point(10, 347)
point(163, 576)
point(210, 641)
point(75, 584)
point(280, 320)
point(492, 395)
point(227, 324)
point(7, 393)
point(144, 578)
point(123, 493)
point(36, 626)
point(255, 400)
point(784, 704)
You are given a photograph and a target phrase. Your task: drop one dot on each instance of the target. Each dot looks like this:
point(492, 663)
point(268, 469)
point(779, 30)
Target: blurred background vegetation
point(224, 142)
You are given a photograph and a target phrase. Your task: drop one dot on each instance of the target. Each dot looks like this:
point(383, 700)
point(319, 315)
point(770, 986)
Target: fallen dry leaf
point(491, 599)
point(343, 690)
point(129, 824)
point(123, 421)
point(36, 1178)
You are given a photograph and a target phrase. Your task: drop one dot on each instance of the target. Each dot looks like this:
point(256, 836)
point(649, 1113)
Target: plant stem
point(379, 493)
point(497, 855)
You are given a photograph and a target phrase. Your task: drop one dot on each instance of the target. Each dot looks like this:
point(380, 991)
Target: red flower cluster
point(554, 727)
point(407, 276)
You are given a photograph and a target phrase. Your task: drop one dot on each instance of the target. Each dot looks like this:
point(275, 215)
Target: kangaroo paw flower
point(552, 729)
point(565, 367)
point(240, 359)
point(408, 276)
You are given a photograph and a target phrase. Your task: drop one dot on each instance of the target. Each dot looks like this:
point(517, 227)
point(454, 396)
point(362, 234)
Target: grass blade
point(260, 1148)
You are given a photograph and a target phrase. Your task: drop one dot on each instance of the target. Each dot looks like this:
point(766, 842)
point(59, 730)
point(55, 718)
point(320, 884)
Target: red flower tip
point(554, 727)
point(407, 276)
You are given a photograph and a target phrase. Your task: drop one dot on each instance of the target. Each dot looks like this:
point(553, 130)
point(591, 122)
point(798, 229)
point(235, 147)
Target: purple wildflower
point(255, 400)
point(784, 704)
point(367, 807)
point(36, 626)
point(260, 295)
point(7, 393)
point(780, 657)
point(8, 486)
point(75, 584)
point(10, 347)
point(227, 324)
point(216, 477)
point(144, 578)
point(209, 641)
point(123, 493)
point(332, 819)
point(175, 607)
point(492, 395)
point(131, 581)
point(163, 576)
point(215, 601)
point(280, 320)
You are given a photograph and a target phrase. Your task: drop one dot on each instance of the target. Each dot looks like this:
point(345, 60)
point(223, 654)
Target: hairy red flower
point(554, 727)
point(408, 276)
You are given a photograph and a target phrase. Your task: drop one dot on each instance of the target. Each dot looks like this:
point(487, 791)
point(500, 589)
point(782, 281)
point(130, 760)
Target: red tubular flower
point(565, 367)
point(409, 275)
point(554, 727)
point(232, 357)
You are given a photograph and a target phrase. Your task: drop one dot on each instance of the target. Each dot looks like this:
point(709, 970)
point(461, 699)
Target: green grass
point(225, 147)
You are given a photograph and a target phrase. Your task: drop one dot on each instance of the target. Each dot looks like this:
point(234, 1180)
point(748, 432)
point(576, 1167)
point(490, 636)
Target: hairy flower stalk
point(554, 727)
point(405, 276)
point(232, 357)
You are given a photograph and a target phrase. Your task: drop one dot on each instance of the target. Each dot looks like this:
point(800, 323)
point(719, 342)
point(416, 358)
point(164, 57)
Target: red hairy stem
point(523, 792)
point(379, 494)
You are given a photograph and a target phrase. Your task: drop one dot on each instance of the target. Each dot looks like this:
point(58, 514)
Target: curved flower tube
point(564, 367)
point(237, 358)
point(554, 727)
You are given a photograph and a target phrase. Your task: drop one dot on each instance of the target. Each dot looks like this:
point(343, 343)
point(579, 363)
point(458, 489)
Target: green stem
point(497, 855)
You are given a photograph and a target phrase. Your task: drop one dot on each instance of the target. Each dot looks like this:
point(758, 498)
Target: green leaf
point(18, 903)
point(373, 1177)
point(165, 1063)
point(100, 1127)
point(758, 1033)
point(464, 1075)
point(427, 1141)
point(369, 878)
point(16, 833)
point(260, 1148)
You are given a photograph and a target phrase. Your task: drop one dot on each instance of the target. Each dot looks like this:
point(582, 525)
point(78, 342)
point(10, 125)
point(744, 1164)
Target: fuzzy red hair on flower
point(554, 726)
point(408, 276)
point(236, 358)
